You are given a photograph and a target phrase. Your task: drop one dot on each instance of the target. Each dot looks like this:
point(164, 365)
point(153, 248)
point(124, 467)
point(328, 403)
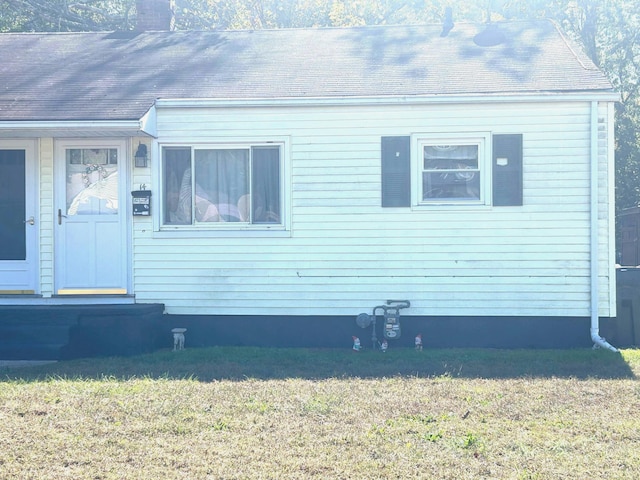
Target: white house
point(299, 177)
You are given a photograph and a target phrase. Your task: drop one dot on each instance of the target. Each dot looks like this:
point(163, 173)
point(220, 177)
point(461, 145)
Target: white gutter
point(76, 124)
point(79, 128)
point(598, 341)
point(391, 100)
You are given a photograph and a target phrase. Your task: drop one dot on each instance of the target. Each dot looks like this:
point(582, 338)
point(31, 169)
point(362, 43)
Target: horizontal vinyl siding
point(346, 254)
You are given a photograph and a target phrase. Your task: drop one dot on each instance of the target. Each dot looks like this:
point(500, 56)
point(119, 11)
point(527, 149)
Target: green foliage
point(63, 16)
point(469, 440)
point(440, 366)
point(610, 34)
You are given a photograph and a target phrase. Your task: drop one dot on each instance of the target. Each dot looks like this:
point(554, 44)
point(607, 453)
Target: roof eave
point(146, 125)
point(78, 128)
point(588, 96)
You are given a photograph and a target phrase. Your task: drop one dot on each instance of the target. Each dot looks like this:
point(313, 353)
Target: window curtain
point(265, 185)
point(221, 180)
point(177, 185)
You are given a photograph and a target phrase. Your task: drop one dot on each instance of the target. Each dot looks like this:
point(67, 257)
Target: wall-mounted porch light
point(140, 158)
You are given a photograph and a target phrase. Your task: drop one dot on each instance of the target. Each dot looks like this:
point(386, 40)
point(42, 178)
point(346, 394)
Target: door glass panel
point(12, 205)
point(92, 181)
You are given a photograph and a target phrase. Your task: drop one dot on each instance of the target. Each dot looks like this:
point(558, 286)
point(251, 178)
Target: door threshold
point(92, 291)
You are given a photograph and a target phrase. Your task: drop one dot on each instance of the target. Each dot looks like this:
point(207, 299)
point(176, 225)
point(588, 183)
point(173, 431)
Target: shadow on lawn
point(240, 363)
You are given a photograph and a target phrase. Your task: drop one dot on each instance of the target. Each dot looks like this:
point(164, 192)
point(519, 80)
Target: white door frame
point(26, 272)
point(60, 282)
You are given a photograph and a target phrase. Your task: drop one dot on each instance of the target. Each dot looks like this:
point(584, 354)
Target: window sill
point(450, 204)
point(277, 231)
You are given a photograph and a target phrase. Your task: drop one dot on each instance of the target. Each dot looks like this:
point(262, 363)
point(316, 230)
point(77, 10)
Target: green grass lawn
point(250, 413)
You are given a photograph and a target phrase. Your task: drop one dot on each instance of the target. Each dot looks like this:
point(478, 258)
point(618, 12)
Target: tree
point(610, 33)
point(66, 16)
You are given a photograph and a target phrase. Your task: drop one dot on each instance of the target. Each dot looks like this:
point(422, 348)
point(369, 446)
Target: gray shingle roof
point(118, 76)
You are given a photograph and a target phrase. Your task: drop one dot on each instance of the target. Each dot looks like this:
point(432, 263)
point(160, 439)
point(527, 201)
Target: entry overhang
point(80, 129)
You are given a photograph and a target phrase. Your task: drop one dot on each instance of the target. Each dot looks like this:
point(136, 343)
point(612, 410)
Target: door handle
point(60, 217)
point(31, 220)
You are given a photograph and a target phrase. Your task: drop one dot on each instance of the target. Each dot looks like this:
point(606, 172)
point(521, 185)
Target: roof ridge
point(283, 29)
point(103, 32)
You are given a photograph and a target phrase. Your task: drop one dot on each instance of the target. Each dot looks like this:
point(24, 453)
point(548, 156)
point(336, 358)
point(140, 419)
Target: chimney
point(155, 15)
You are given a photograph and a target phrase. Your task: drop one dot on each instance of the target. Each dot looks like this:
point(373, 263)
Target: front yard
point(249, 413)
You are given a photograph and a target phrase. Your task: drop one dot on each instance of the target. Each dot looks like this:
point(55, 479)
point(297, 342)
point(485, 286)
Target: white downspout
point(598, 341)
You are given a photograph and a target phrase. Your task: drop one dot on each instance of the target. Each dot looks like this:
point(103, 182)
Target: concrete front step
point(42, 332)
point(31, 351)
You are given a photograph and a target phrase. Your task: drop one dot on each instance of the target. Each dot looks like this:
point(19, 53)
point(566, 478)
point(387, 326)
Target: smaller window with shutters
point(477, 169)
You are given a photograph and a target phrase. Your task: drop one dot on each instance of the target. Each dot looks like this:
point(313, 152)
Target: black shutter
point(396, 172)
point(507, 170)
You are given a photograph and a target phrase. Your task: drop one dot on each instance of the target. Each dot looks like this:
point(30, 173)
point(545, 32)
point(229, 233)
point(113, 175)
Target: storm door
point(90, 221)
point(18, 226)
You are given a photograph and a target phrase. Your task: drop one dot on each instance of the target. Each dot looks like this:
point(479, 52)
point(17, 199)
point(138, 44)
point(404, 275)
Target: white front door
point(19, 221)
point(90, 220)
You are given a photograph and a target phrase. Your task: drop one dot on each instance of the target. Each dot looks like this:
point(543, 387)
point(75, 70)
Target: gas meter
point(391, 328)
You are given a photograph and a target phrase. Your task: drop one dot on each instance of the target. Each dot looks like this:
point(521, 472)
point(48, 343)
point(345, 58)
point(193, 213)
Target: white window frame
point(207, 229)
point(481, 139)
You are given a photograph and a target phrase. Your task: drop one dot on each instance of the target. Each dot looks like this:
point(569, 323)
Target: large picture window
point(221, 186)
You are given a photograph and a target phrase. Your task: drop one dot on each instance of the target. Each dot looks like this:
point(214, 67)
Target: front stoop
point(58, 332)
